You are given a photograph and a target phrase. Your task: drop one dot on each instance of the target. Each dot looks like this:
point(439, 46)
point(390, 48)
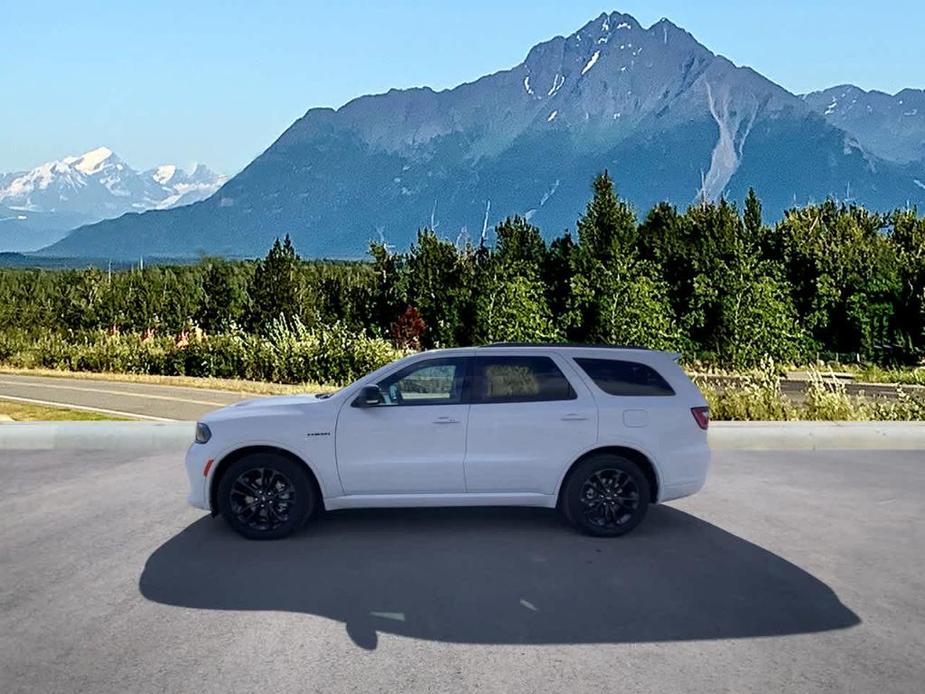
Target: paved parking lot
point(791, 571)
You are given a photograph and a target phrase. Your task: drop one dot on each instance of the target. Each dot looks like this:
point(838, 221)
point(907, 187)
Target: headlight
point(203, 433)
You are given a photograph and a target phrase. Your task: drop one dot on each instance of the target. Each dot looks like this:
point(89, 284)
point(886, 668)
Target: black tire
point(605, 495)
point(266, 496)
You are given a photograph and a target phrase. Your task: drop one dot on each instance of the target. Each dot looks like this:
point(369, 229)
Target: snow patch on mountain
point(591, 63)
point(94, 161)
point(163, 174)
point(556, 85)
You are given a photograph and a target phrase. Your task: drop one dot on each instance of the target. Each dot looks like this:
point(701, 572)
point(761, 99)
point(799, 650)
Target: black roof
point(577, 345)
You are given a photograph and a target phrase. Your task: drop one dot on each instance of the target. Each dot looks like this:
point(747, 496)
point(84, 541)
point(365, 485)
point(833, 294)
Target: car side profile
point(598, 433)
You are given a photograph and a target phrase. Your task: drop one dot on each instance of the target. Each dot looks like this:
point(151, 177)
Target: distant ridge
point(666, 116)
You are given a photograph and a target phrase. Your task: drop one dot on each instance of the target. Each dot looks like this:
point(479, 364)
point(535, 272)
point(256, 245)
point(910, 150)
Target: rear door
point(527, 422)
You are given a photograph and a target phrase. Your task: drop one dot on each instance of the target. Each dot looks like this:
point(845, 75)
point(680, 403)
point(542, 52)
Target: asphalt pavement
point(147, 401)
point(790, 572)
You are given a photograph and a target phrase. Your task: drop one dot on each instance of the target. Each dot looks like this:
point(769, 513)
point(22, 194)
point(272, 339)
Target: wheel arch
point(222, 466)
point(643, 460)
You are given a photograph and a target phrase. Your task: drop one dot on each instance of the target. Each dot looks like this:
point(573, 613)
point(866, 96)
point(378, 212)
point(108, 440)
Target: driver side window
point(435, 382)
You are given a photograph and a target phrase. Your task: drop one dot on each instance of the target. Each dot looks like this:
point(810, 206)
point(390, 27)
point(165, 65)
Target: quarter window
point(435, 382)
point(625, 378)
point(520, 379)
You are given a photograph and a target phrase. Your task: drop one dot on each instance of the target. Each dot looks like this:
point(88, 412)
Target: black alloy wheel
point(609, 499)
point(606, 495)
point(266, 496)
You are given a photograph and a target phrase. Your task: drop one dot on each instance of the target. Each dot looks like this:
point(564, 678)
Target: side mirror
point(369, 396)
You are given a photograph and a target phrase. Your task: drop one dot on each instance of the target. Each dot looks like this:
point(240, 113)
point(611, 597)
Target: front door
point(414, 442)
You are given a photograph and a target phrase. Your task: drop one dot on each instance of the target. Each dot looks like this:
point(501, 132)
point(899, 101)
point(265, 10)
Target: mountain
point(39, 206)
point(670, 119)
point(890, 126)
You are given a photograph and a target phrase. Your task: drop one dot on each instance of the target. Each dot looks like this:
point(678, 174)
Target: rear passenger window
point(625, 377)
point(520, 379)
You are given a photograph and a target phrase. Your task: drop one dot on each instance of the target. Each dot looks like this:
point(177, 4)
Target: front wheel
point(265, 496)
point(606, 495)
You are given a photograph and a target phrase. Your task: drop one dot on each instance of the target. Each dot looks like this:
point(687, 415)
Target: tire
point(605, 495)
point(266, 496)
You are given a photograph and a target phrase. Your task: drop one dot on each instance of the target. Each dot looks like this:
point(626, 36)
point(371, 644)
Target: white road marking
point(118, 413)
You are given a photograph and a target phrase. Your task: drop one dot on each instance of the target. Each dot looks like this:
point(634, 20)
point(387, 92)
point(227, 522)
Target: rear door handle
point(574, 418)
point(446, 420)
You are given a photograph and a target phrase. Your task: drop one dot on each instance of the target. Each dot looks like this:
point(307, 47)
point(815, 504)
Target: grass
point(28, 412)
point(908, 376)
point(227, 384)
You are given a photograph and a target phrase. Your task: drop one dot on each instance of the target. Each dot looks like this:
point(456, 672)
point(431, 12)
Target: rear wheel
point(606, 496)
point(266, 496)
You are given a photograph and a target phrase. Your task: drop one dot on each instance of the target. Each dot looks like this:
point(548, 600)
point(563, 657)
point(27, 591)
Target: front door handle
point(574, 418)
point(446, 420)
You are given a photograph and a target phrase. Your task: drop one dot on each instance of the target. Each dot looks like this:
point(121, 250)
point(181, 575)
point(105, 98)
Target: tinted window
point(434, 382)
point(520, 379)
point(625, 377)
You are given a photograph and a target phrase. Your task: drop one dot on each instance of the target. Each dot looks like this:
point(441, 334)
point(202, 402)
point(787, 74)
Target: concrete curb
point(149, 437)
point(153, 437)
point(796, 436)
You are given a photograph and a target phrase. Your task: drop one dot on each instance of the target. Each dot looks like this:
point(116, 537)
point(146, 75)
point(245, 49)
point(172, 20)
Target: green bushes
point(287, 354)
point(757, 396)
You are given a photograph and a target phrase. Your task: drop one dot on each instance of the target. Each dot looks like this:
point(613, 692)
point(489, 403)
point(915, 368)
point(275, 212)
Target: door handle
point(574, 418)
point(446, 420)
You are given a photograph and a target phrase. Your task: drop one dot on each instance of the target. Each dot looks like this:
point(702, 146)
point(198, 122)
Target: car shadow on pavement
point(499, 576)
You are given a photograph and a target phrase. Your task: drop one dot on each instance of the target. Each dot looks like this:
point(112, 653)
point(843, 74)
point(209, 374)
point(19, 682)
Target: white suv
point(597, 432)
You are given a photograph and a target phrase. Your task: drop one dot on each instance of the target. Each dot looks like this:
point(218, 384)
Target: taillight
point(701, 416)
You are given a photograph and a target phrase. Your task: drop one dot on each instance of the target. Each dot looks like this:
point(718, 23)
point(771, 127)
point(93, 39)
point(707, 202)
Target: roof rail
point(576, 345)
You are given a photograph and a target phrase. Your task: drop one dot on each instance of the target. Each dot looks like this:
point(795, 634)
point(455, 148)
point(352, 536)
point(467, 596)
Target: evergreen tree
point(557, 277)
point(615, 296)
point(511, 303)
point(752, 216)
point(224, 296)
point(437, 281)
point(608, 226)
point(275, 290)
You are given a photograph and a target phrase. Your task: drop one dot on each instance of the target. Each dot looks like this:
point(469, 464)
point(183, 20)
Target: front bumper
point(197, 457)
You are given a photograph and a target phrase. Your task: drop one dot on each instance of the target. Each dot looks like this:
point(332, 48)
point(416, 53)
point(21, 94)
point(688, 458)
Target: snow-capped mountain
point(59, 195)
point(669, 119)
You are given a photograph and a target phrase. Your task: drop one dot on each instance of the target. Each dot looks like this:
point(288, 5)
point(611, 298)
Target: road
point(790, 572)
point(130, 400)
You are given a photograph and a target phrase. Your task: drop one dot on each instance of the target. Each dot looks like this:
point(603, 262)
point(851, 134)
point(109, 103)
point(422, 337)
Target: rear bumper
point(686, 474)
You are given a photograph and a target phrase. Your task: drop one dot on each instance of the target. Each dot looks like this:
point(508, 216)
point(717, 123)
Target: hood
point(261, 406)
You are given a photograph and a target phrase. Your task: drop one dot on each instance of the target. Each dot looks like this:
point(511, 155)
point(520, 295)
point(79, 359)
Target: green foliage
point(437, 279)
point(511, 303)
point(713, 283)
point(275, 290)
point(757, 396)
point(289, 352)
point(615, 296)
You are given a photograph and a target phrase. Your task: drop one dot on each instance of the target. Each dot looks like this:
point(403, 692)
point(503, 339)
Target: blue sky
point(218, 81)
